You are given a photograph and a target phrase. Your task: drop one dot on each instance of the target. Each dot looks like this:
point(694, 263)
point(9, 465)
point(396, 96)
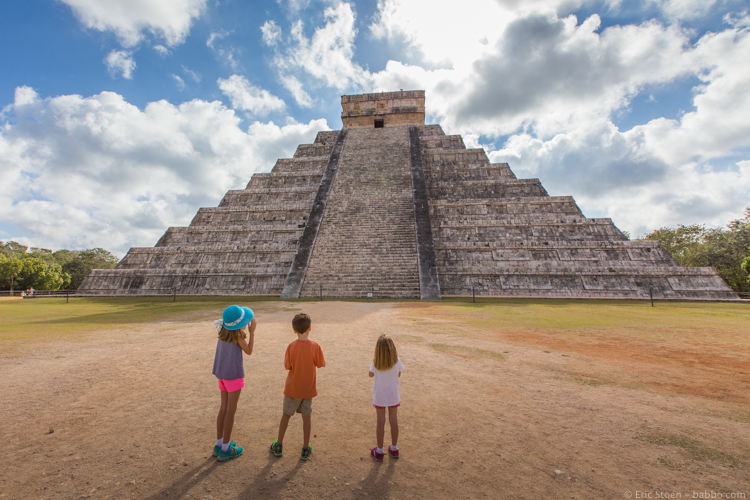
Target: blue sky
point(123, 117)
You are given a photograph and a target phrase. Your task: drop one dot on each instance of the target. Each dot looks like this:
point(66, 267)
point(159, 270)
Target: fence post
point(321, 291)
point(651, 294)
point(174, 295)
point(473, 295)
point(67, 296)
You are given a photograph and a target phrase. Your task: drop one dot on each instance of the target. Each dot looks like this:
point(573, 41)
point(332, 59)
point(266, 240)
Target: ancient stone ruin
point(391, 207)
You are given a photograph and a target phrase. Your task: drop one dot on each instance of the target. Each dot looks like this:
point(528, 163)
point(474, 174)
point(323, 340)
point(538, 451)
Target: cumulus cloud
point(169, 20)
point(79, 172)
point(325, 59)
point(666, 171)
point(120, 62)
point(247, 97)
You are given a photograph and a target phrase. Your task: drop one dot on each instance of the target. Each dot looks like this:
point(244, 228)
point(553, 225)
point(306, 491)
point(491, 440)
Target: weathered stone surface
point(404, 211)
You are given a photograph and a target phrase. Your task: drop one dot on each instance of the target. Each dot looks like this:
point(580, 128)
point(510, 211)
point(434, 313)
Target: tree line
point(726, 249)
point(22, 268)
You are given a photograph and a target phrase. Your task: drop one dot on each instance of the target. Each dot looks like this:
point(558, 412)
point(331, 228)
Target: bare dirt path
point(133, 416)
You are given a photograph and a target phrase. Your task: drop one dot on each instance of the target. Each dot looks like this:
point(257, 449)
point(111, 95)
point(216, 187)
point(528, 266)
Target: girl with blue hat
point(236, 332)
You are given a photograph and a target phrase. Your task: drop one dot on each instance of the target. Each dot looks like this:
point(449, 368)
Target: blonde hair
point(232, 335)
point(386, 355)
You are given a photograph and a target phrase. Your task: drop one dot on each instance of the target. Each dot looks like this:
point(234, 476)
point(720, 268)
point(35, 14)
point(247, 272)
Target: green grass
point(690, 447)
point(667, 321)
point(35, 319)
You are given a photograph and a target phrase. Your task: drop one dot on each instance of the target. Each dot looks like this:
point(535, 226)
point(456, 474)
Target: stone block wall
point(243, 246)
point(507, 237)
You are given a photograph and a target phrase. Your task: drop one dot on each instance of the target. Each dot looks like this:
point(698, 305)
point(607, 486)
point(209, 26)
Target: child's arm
point(372, 374)
point(247, 345)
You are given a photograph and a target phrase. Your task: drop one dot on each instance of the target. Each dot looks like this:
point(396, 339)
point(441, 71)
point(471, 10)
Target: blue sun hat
point(236, 317)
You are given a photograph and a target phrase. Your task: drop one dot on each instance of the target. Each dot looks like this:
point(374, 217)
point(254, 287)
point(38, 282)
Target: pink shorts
point(231, 385)
point(379, 407)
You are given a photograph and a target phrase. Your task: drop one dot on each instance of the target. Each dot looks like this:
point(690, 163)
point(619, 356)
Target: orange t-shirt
point(301, 359)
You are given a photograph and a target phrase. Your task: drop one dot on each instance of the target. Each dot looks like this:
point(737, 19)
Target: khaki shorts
point(303, 406)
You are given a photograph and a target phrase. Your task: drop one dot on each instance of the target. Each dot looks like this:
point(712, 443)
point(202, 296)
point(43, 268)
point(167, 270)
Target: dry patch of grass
point(467, 352)
point(690, 447)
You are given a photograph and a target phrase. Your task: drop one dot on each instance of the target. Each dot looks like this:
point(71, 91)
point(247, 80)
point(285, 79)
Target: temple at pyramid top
point(388, 207)
point(386, 109)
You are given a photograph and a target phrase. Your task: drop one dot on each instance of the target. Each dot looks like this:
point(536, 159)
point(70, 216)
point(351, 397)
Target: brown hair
point(232, 335)
point(301, 323)
point(386, 355)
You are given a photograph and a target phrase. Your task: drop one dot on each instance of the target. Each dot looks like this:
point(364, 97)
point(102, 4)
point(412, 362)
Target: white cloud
point(326, 57)
point(120, 62)
point(161, 50)
point(295, 87)
point(179, 81)
point(247, 97)
point(226, 53)
point(169, 20)
point(684, 9)
point(271, 33)
point(80, 172)
point(194, 75)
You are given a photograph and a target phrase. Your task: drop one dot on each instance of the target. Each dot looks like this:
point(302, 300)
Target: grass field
point(40, 319)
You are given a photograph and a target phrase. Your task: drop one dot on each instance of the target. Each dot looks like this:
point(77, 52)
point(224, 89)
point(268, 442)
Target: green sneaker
point(306, 452)
point(217, 448)
point(232, 452)
point(276, 447)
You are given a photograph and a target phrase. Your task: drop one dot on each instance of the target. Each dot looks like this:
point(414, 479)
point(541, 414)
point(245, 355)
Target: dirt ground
point(516, 414)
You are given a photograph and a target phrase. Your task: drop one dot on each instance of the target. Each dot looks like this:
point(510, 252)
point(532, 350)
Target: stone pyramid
point(395, 208)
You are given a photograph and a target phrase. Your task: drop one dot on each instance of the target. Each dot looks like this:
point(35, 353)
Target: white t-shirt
point(385, 388)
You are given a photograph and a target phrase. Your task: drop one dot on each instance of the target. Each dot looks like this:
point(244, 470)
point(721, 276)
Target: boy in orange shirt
point(302, 357)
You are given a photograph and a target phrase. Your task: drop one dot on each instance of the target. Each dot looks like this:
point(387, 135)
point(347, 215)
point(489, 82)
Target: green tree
point(13, 248)
point(39, 274)
point(727, 250)
point(79, 265)
point(684, 243)
point(10, 268)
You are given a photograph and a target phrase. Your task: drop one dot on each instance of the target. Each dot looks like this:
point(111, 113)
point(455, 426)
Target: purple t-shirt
point(228, 361)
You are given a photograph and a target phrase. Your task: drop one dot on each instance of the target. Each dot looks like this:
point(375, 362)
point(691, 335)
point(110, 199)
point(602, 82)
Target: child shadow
point(375, 482)
point(268, 487)
point(181, 486)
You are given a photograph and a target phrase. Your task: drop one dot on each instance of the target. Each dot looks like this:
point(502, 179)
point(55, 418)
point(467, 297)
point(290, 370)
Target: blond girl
point(386, 368)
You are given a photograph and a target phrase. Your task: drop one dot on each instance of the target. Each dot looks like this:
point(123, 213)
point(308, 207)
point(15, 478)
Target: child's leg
point(232, 398)
point(306, 426)
point(282, 427)
point(222, 415)
point(380, 426)
point(393, 419)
